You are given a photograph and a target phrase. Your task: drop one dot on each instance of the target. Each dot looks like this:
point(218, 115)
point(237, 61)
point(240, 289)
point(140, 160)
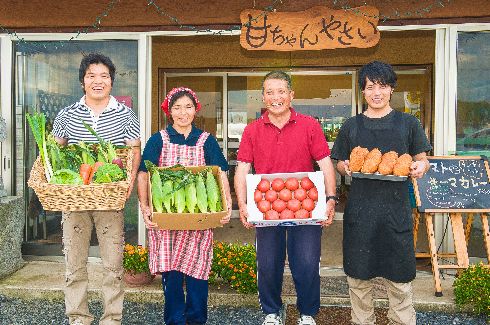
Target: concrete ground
point(43, 278)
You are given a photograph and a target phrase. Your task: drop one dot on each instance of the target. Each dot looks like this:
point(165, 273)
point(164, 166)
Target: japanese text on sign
point(455, 183)
point(313, 29)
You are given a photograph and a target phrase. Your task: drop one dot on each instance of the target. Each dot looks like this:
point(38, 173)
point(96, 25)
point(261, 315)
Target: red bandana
point(168, 98)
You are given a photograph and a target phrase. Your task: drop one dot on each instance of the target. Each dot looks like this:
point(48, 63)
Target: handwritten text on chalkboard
point(455, 183)
point(314, 29)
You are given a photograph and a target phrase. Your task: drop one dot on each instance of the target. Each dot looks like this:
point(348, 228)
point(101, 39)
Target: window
point(473, 94)
point(46, 80)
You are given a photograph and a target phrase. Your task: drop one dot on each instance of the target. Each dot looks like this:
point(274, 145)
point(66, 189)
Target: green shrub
point(472, 289)
point(236, 265)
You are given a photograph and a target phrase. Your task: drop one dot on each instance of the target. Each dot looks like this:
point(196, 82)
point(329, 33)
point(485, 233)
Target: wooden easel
point(461, 233)
point(461, 236)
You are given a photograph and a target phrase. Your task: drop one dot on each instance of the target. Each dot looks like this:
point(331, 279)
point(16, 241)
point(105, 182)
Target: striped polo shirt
point(117, 123)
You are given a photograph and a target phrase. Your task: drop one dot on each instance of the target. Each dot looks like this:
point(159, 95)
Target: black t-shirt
point(410, 128)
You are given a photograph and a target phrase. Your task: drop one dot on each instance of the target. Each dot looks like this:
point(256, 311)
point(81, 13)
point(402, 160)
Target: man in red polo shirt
point(284, 141)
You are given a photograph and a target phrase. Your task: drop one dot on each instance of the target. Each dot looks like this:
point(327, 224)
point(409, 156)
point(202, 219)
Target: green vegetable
point(179, 198)
point(156, 192)
point(168, 197)
point(202, 196)
point(213, 192)
point(191, 197)
point(66, 176)
point(37, 122)
point(86, 154)
point(55, 155)
point(108, 173)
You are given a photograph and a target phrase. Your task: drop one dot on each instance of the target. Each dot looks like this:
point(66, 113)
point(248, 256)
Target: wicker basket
point(63, 197)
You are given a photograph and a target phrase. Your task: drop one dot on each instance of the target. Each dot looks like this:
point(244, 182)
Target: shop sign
point(317, 28)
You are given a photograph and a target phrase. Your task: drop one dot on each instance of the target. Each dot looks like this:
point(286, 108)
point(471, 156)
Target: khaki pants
point(77, 231)
point(401, 309)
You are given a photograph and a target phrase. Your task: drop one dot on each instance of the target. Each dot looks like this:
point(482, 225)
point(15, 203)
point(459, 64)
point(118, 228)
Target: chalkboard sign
point(454, 184)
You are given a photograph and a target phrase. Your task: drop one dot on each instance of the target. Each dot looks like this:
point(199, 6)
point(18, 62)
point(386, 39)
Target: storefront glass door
point(46, 80)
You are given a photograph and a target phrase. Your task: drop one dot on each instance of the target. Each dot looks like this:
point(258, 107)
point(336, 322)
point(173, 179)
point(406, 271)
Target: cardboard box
point(257, 218)
point(192, 221)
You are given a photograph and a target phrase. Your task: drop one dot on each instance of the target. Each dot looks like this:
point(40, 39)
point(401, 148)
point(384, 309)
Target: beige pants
point(77, 231)
point(401, 309)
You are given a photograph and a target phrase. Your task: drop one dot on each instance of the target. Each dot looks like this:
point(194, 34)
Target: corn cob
point(168, 196)
point(179, 198)
point(190, 197)
point(212, 191)
point(156, 191)
point(202, 196)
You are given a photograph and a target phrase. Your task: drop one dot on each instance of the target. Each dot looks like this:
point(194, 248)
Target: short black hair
point(181, 94)
point(281, 75)
point(96, 58)
point(378, 72)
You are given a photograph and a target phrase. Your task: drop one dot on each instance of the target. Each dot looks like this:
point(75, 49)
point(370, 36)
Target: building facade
point(439, 49)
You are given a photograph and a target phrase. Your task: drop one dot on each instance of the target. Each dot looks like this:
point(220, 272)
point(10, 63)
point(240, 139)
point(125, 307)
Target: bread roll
point(371, 163)
point(387, 163)
point(357, 157)
point(402, 165)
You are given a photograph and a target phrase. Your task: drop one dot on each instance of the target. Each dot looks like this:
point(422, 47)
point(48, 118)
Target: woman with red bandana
point(181, 254)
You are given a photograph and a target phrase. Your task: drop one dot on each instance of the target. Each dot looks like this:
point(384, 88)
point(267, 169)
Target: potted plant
point(135, 263)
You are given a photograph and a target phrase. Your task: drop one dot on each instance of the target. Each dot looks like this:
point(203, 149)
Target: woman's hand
point(146, 211)
point(227, 217)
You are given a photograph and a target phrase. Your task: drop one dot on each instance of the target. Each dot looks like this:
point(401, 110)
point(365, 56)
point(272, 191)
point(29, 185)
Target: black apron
point(378, 239)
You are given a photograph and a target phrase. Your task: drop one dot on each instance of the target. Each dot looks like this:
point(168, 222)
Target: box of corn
point(186, 198)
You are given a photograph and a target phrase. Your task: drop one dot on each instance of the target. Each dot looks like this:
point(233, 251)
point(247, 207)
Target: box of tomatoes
point(286, 199)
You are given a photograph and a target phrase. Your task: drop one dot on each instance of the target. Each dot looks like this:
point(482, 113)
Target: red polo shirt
point(294, 148)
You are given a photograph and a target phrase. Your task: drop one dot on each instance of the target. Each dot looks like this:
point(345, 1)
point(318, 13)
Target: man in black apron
point(378, 240)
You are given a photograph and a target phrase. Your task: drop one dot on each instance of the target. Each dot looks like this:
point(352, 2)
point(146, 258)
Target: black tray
point(380, 177)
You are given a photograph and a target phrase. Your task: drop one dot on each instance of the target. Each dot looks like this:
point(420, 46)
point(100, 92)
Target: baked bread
point(371, 162)
point(357, 157)
point(402, 165)
point(387, 163)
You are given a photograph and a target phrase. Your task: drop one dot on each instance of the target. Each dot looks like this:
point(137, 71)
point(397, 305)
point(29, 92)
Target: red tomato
point(286, 214)
point(257, 196)
point(264, 185)
point(264, 206)
point(292, 184)
point(313, 194)
point(306, 183)
point(271, 195)
point(279, 205)
point(302, 214)
point(300, 194)
point(285, 195)
point(272, 215)
point(277, 184)
point(294, 205)
point(308, 204)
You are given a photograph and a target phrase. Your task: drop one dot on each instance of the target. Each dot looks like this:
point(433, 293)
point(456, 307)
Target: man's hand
point(418, 168)
point(329, 214)
point(130, 189)
point(346, 168)
point(146, 211)
point(244, 217)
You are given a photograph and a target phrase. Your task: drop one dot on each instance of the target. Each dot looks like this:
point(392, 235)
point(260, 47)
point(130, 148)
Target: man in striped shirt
point(118, 124)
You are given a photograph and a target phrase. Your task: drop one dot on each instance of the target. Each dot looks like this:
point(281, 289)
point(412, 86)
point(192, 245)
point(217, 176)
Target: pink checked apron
point(186, 251)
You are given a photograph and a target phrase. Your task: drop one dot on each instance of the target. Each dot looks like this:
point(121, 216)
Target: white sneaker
point(272, 319)
point(306, 320)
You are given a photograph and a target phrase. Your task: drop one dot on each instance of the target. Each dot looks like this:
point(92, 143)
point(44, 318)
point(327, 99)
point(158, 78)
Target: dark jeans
point(180, 309)
point(303, 244)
